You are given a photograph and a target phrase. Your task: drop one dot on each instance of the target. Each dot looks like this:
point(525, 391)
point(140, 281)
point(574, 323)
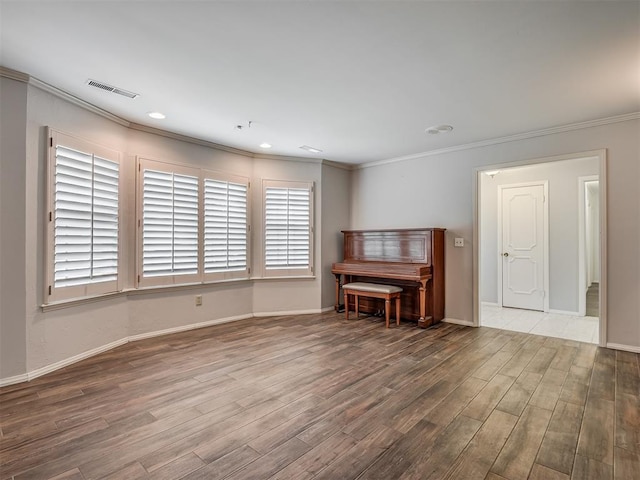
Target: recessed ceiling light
point(310, 149)
point(436, 129)
point(157, 115)
point(265, 145)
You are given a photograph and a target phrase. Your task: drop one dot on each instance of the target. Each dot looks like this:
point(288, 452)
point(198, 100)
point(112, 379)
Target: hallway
point(581, 329)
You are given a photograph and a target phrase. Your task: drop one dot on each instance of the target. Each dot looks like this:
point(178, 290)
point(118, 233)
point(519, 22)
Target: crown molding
point(286, 158)
point(188, 139)
point(23, 77)
point(343, 166)
point(77, 101)
point(13, 74)
point(35, 82)
point(510, 138)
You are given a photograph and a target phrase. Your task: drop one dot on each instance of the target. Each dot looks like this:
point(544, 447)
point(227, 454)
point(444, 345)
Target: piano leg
point(424, 321)
point(337, 305)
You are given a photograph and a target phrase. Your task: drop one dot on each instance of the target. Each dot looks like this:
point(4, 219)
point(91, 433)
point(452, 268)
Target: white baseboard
point(456, 321)
point(38, 372)
point(328, 309)
point(564, 312)
point(489, 304)
point(625, 348)
point(184, 328)
point(289, 312)
point(13, 380)
point(26, 377)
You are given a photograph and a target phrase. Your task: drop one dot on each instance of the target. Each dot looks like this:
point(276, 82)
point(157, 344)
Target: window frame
point(172, 279)
point(236, 179)
point(290, 272)
point(201, 276)
point(52, 293)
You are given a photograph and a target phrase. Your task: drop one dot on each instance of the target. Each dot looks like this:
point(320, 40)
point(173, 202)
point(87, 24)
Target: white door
point(523, 247)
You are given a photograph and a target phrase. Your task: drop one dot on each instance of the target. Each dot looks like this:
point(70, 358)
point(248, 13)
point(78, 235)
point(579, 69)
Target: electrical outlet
point(198, 300)
point(458, 242)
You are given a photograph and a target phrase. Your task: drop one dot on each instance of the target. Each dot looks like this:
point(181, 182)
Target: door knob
point(505, 254)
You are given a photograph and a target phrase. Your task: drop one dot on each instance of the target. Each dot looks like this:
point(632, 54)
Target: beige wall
point(37, 340)
point(13, 121)
point(437, 191)
point(335, 205)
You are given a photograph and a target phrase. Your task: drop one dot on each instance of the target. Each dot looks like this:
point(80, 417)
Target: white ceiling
point(359, 80)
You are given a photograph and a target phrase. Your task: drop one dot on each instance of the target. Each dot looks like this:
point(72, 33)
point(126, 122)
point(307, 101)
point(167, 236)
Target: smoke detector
point(436, 129)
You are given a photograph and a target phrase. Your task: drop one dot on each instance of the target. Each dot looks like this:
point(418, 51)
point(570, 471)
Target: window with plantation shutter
point(225, 227)
point(288, 228)
point(169, 223)
point(84, 185)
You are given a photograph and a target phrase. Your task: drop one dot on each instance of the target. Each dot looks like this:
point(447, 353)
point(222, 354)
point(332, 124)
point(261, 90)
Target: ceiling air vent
point(112, 89)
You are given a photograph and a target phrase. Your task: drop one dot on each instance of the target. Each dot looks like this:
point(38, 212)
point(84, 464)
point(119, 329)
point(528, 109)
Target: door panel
point(523, 247)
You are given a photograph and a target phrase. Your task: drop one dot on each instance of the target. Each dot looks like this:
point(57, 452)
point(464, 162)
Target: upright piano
point(409, 258)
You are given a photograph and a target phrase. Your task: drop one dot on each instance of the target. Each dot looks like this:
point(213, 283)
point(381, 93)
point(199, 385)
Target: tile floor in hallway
point(581, 329)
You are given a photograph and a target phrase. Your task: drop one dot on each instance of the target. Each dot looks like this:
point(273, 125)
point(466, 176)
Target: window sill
point(286, 277)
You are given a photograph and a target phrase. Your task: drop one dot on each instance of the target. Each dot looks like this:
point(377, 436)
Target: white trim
point(604, 275)
point(13, 75)
point(582, 274)
point(13, 380)
point(625, 348)
point(290, 312)
point(184, 328)
point(103, 348)
point(545, 238)
point(342, 166)
point(286, 277)
point(564, 312)
point(490, 304)
point(76, 101)
point(38, 372)
point(476, 191)
point(456, 321)
point(510, 138)
point(188, 139)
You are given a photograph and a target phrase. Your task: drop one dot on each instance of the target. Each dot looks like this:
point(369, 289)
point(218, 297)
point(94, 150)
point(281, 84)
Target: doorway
point(589, 246)
point(573, 260)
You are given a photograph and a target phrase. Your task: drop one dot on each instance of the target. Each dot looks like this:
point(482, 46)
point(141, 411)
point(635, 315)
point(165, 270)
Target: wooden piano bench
point(375, 290)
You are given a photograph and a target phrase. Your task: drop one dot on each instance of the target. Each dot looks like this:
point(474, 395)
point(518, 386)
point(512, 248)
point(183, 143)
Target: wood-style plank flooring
point(316, 397)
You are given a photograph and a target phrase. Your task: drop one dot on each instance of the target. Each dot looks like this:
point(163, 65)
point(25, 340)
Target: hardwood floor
point(316, 397)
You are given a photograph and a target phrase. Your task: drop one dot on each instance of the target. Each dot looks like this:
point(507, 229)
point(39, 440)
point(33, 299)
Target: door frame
point(476, 196)
point(582, 270)
point(545, 238)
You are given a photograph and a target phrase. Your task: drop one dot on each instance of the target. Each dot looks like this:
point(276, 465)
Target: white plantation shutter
point(170, 223)
point(72, 212)
point(288, 227)
point(105, 220)
point(225, 226)
point(83, 219)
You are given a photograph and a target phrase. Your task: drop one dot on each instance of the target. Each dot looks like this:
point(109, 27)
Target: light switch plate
point(458, 242)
